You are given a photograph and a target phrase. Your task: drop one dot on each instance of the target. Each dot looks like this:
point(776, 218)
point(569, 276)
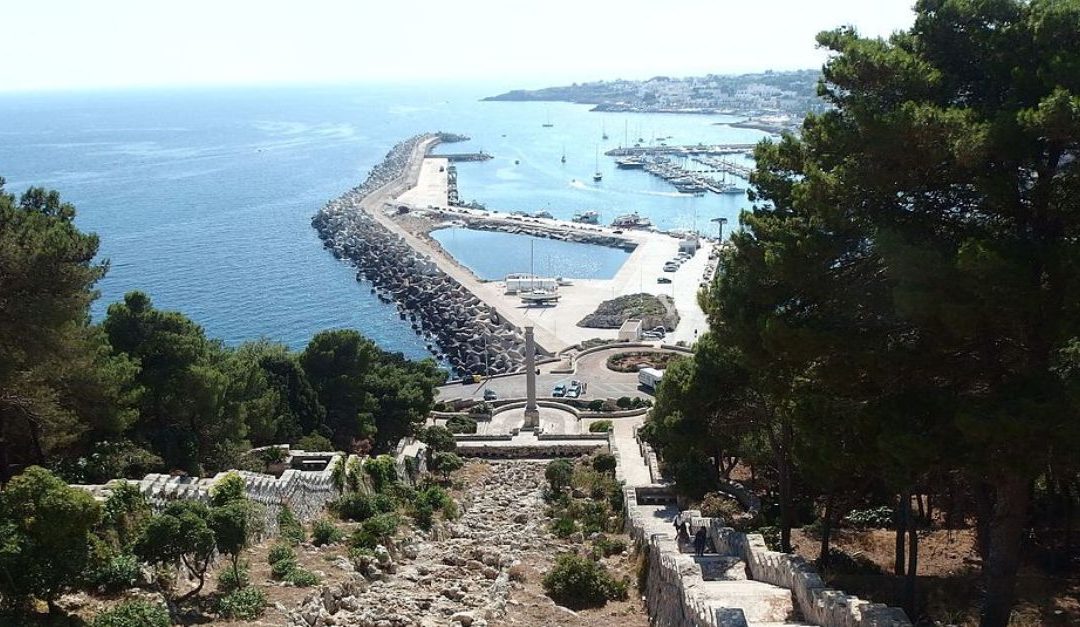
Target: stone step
point(721, 568)
point(760, 602)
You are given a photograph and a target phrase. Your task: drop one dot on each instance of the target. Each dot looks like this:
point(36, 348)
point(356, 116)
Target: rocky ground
point(482, 569)
point(654, 311)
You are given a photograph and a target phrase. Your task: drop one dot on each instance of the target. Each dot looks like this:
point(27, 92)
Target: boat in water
point(630, 163)
point(587, 217)
point(631, 221)
point(597, 176)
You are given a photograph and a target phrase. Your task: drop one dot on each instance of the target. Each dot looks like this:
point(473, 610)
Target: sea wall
point(580, 235)
point(462, 329)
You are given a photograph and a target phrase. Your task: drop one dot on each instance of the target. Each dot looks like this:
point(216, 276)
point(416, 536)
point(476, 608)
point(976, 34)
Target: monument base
point(532, 419)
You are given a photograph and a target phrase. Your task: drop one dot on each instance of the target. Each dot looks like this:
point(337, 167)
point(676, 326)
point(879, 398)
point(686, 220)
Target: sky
point(92, 44)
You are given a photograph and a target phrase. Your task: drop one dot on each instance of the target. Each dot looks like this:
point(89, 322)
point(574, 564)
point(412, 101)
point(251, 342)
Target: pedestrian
point(699, 541)
point(682, 532)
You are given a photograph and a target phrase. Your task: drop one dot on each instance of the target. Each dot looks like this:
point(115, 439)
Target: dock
point(465, 156)
point(685, 150)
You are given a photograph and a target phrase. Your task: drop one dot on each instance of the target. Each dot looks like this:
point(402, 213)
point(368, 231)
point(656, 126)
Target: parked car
point(575, 386)
point(573, 393)
point(649, 335)
point(670, 267)
point(663, 279)
point(490, 395)
point(560, 390)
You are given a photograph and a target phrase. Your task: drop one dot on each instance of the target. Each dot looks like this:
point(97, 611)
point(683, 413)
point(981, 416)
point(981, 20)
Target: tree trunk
point(1005, 533)
point(826, 531)
point(1067, 550)
point(912, 568)
point(984, 512)
point(785, 504)
point(900, 519)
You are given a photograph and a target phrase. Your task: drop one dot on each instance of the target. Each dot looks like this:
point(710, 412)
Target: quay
point(695, 149)
point(466, 156)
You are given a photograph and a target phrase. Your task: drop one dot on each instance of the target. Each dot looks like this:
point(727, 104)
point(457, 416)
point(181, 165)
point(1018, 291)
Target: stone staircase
point(725, 584)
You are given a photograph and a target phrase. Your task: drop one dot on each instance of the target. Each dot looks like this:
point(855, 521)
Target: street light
point(721, 222)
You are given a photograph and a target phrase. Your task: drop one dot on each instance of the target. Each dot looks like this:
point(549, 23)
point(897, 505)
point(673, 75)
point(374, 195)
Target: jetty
point(466, 156)
point(686, 150)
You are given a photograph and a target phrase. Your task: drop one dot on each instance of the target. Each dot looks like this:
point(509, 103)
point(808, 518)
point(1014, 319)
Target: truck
point(649, 378)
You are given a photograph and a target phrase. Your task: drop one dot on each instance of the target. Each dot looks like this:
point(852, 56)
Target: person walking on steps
point(700, 538)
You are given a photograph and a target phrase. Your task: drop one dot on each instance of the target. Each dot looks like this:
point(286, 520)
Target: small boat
point(548, 124)
point(603, 132)
point(629, 163)
point(631, 221)
point(588, 217)
point(564, 154)
point(539, 297)
point(517, 162)
point(597, 176)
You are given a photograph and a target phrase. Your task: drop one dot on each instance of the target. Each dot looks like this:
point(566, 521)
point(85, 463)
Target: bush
point(446, 463)
point(280, 552)
point(461, 424)
point(558, 474)
point(115, 572)
point(289, 527)
point(604, 462)
point(281, 568)
point(579, 582)
point(624, 402)
point(230, 579)
point(133, 614)
point(716, 505)
point(596, 405)
point(771, 535)
point(439, 439)
point(480, 409)
point(609, 546)
point(563, 526)
point(354, 506)
point(245, 604)
point(301, 578)
point(382, 470)
point(601, 426)
point(324, 532)
point(315, 442)
point(873, 518)
point(374, 531)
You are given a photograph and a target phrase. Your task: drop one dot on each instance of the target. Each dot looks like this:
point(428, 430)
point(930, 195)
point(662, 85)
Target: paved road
point(591, 369)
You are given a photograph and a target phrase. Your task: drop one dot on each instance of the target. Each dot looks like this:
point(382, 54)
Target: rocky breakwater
point(464, 330)
point(457, 574)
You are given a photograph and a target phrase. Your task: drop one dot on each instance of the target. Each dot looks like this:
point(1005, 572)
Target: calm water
point(202, 198)
point(493, 255)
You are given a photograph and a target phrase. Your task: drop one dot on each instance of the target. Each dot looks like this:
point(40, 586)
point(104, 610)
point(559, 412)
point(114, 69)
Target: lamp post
point(721, 222)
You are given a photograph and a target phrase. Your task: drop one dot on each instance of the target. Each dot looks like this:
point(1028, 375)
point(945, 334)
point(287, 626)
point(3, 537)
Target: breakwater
point(533, 228)
point(469, 334)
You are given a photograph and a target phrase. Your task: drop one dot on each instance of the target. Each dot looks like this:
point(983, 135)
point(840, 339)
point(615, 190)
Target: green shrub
point(480, 409)
point(289, 527)
point(601, 426)
point(609, 546)
point(624, 402)
point(374, 531)
point(446, 463)
point(579, 582)
point(873, 518)
point(133, 614)
point(563, 526)
point(280, 552)
point(439, 439)
point(245, 604)
point(596, 405)
point(325, 532)
point(461, 424)
point(230, 579)
point(604, 462)
point(771, 536)
point(114, 572)
point(382, 470)
point(301, 578)
point(354, 506)
point(558, 474)
point(315, 442)
point(281, 568)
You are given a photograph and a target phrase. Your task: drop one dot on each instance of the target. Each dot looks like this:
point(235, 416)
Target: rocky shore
point(470, 335)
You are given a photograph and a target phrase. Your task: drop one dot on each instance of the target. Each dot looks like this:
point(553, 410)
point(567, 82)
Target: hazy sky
point(60, 44)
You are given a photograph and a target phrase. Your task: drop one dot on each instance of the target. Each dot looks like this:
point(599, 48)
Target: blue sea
point(492, 255)
point(202, 197)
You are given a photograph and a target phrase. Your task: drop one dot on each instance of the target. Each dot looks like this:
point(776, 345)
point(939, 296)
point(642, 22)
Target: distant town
point(771, 101)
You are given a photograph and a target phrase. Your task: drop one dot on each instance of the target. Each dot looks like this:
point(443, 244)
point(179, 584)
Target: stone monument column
point(532, 411)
